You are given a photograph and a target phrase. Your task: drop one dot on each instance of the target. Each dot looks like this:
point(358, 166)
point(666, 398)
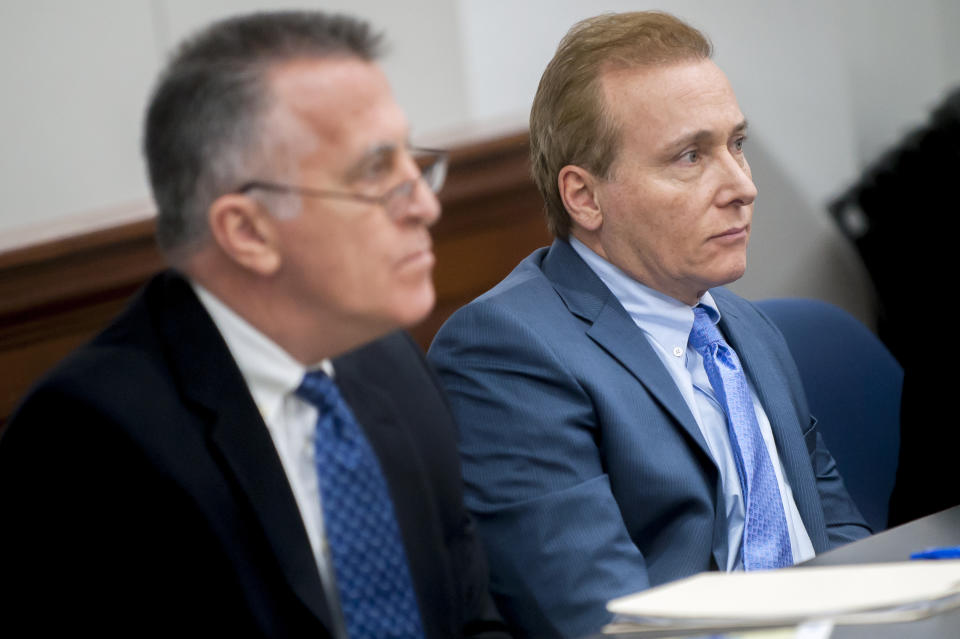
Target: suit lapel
point(761, 369)
point(249, 451)
point(410, 490)
point(395, 452)
point(210, 379)
point(611, 327)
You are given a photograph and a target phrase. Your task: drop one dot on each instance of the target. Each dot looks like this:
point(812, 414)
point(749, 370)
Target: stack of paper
point(853, 594)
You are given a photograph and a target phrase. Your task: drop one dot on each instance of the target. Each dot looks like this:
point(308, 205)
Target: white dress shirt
point(273, 376)
point(666, 323)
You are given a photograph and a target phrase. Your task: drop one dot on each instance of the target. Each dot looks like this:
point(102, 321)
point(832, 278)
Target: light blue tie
point(766, 542)
point(373, 578)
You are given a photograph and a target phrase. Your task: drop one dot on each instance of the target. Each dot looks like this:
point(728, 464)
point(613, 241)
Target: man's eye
point(690, 156)
point(377, 169)
point(739, 142)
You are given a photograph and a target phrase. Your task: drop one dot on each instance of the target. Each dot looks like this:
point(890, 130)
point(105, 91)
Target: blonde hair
point(569, 122)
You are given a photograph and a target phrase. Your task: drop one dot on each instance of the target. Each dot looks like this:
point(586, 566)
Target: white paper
point(864, 593)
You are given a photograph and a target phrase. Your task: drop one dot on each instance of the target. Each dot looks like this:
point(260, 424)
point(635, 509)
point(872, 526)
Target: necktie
point(373, 578)
point(766, 542)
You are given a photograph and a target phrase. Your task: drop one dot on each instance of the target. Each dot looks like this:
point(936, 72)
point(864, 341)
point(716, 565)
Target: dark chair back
point(853, 385)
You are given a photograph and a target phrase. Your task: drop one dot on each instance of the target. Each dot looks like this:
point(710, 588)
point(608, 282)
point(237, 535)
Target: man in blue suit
point(624, 422)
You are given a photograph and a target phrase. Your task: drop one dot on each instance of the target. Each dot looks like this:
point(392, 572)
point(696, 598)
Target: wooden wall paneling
point(492, 218)
point(56, 295)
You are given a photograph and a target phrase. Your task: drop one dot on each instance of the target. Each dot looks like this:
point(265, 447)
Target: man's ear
point(578, 192)
point(246, 233)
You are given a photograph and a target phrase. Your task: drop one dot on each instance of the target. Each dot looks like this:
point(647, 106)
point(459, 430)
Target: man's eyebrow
point(703, 135)
point(378, 153)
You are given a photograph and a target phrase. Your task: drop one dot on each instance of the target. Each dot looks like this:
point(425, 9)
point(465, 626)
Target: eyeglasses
point(433, 171)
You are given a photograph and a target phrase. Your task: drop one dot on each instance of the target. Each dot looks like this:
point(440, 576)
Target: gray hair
point(212, 122)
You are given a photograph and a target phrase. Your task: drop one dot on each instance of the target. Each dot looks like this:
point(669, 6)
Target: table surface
point(896, 544)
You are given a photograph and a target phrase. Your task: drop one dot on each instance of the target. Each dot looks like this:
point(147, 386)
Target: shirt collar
point(269, 371)
point(666, 320)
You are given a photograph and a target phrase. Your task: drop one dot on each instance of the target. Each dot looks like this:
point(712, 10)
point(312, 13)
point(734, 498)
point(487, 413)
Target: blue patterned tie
point(373, 579)
point(766, 542)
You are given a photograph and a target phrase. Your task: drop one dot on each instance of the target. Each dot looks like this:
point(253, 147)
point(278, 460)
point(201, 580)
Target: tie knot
point(704, 332)
point(318, 389)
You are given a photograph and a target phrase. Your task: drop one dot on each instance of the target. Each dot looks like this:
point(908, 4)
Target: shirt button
point(677, 351)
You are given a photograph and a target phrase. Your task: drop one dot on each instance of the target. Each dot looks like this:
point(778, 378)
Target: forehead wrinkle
point(325, 91)
point(347, 106)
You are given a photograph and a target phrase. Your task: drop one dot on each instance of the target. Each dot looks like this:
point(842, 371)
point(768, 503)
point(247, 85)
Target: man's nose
point(424, 204)
point(737, 187)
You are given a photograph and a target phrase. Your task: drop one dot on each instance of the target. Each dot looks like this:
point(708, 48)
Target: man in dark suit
point(624, 421)
point(250, 449)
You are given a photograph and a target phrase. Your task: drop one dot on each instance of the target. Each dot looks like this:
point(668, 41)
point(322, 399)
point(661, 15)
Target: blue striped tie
point(373, 578)
point(766, 541)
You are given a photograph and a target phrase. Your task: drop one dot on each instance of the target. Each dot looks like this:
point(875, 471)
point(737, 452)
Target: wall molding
point(56, 294)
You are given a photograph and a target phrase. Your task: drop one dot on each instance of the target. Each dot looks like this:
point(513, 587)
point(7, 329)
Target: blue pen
point(944, 552)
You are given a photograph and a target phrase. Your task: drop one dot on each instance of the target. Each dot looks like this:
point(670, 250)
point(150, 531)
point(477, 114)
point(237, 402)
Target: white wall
point(76, 76)
point(826, 85)
point(423, 57)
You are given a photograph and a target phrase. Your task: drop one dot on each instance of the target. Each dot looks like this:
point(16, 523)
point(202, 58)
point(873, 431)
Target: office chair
point(853, 385)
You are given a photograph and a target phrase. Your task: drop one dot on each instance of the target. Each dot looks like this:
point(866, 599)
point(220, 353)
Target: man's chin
point(729, 275)
point(416, 306)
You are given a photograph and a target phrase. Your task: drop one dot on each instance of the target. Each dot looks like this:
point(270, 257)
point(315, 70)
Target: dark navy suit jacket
point(141, 493)
point(585, 469)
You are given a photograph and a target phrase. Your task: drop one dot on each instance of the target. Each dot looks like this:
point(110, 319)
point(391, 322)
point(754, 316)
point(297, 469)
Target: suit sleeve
point(481, 619)
point(843, 519)
point(86, 518)
point(534, 478)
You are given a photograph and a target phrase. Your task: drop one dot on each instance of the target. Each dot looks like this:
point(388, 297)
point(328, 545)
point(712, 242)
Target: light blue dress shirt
point(666, 323)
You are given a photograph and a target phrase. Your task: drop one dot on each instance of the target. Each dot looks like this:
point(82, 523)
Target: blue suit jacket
point(587, 473)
